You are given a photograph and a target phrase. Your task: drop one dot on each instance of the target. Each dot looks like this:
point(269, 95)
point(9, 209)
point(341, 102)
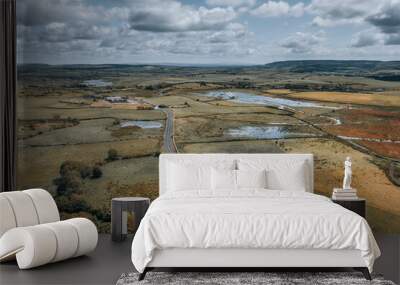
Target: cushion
point(281, 174)
point(67, 240)
point(87, 233)
point(45, 206)
point(223, 179)
point(7, 220)
point(23, 208)
point(251, 179)
point(32, 246)
point(188, 177)
point(27, 208)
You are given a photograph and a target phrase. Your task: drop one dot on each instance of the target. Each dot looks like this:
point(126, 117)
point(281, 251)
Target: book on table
point(344, 194)
point(341, 190)
point(344, 198)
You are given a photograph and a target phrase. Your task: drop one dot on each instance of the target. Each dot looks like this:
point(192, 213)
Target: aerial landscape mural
point(104, 87)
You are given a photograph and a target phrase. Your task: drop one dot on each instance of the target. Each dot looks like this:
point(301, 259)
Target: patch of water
point(369, 139)
point(96, 83)
point(336, 121)
point(115, 99)
point(141, 124)
point(249, 98)
point(132, 101)
point(263, 132)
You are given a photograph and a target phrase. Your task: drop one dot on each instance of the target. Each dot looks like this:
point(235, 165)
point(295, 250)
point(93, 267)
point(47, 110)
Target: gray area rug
point(269, 278)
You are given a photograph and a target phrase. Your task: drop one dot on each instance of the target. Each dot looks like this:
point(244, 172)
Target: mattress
point(251, 219)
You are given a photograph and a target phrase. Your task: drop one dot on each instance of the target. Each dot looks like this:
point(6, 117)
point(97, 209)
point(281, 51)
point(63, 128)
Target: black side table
point(119, 216)
point(357, 206)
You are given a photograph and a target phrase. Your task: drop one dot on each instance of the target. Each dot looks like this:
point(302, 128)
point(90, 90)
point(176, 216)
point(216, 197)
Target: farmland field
point(87, 143)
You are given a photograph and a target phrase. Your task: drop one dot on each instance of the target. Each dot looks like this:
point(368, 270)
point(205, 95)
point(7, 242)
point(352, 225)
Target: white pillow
point(293, 180)
point(186, 178)
point(223, 179)
point(281, 174)
point(251, 179)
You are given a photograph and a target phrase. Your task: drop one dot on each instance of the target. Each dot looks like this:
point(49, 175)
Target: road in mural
point(88, 133)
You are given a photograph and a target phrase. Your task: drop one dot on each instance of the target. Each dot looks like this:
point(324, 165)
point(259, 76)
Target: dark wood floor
point(110, 260)
point(103, 266)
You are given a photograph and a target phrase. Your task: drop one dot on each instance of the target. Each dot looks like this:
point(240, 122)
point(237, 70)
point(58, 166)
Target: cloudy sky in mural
point(206, 31)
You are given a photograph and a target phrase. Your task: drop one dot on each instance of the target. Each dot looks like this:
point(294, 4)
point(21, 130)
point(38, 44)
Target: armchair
point(31, 231)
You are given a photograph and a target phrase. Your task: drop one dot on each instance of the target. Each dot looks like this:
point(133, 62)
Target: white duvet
point(250, 219)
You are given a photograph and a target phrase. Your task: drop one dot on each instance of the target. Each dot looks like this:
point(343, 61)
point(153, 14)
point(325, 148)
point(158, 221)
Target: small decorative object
point(347, 173)
point(347, 192)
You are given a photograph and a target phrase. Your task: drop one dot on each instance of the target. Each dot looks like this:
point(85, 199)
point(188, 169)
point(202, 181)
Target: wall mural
point(104, 87)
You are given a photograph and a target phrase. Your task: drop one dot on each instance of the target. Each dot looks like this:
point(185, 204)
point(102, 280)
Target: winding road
point(169, 142)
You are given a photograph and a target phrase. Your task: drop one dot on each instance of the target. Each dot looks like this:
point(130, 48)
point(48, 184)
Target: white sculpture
point(347, 173)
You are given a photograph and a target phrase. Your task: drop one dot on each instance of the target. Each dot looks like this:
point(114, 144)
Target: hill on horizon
point(340, 66)
point(381, 70)
point(313, 64)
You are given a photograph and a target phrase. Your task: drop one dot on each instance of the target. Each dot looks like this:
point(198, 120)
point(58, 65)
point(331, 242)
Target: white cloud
point(367, 38)
point(233, 41)
point(36, 13)
point(234, 31)
point(231, 3)
point(333, 13)
point(303, 43)
point(278, 8)
point(387, 20)
point(393, 39)
point(383, 15)
point(298, 9)
point(173, 16)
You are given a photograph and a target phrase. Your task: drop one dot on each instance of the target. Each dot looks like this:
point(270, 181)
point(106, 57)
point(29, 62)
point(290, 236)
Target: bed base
point(363, 270)
point(242, 259)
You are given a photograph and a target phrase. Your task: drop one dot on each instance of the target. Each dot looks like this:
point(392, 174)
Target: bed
point(247, 210)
